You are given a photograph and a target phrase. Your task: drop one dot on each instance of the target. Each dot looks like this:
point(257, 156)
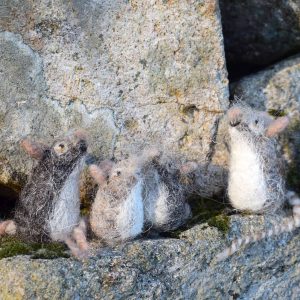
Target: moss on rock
point(205, 210)
point(292, 144)
point(277, 112)
point(11, 246)
point(222, 222)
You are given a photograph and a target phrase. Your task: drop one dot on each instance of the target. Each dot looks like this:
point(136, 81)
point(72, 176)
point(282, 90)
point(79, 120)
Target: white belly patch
point(247, 186)
point(66, 212)
point(131, 218)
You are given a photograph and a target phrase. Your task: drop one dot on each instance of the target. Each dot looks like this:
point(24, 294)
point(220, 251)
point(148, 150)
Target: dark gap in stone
point(8, 200)
point(259, 37)
point(238, 70)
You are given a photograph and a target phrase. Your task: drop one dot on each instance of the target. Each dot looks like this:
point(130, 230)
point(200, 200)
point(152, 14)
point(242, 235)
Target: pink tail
point(288, 225)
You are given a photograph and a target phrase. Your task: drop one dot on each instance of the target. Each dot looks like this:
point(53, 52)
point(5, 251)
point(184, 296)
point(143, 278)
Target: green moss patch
point(222, 222)
point(277, 112)
point(11, 246)
point(293, 177)
point(292, 147)
point(205, 210)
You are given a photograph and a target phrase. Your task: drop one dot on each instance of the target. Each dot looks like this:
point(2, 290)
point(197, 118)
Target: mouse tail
point(289, 224)
point(79, 235)
point(8, 227)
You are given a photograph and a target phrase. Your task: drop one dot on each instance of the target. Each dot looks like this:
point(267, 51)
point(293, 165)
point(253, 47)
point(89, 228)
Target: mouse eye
point(116, 173)
point(60, 148)
point(256, 122)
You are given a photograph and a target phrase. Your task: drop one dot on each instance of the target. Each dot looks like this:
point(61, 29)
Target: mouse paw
point(188, 167)
point(82, 255)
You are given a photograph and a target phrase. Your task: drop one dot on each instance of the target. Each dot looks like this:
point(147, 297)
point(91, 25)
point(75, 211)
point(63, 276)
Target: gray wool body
point(164, 197)
point(256, 170)
point(41, 197)
point(117, 212)
point(273, 168)
point(135, 194)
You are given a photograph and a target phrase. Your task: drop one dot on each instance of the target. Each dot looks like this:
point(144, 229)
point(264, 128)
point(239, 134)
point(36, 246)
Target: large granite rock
point(277, 90)
point(183, 268)
point(133, 73)
point(258, 33)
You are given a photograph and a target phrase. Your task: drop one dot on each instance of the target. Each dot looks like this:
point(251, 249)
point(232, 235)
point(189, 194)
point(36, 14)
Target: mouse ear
point(106, 166)
point(234, 113)
point(34, 149)
point(188, 167)
point(277, 126)
point(97, 173)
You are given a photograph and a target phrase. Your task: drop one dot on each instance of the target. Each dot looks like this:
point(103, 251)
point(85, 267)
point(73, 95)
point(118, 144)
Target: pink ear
point(151, 153)
point(277, 126)
point(233, 113)
point(97, 174)
point(106, 166)
point(188, 167)
point(34, 149)
point(81, 134)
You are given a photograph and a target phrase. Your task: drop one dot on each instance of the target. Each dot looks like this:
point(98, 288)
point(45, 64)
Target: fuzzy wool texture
point(117, 212)
point(138, 193)
point(40, 214)
point(131, 214)
point(66, 211)
point(160, 214)
point(256, 173)
point(247, 188)
point(79, 235)
point(164, 196)
point(7, 227)
point(76, 241)
point(11, 228)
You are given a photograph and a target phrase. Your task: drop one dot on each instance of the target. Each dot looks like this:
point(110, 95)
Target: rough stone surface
point(149, 72)
point(258, 33)
point(183, 268)
point(277, 90)
point(27, 110)
point(133, 73)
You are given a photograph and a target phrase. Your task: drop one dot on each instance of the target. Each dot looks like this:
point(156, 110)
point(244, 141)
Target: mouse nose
point(80, 134)
point(82, 145)
point(234, 115)
point(235, 123)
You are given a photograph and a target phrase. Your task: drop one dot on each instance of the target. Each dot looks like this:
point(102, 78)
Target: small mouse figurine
point(165, 195)
point(117, 214)
point(256, 181)
point(49, 204)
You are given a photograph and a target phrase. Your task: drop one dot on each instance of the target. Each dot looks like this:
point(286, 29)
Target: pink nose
point(80, 134)
point(234, 113)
